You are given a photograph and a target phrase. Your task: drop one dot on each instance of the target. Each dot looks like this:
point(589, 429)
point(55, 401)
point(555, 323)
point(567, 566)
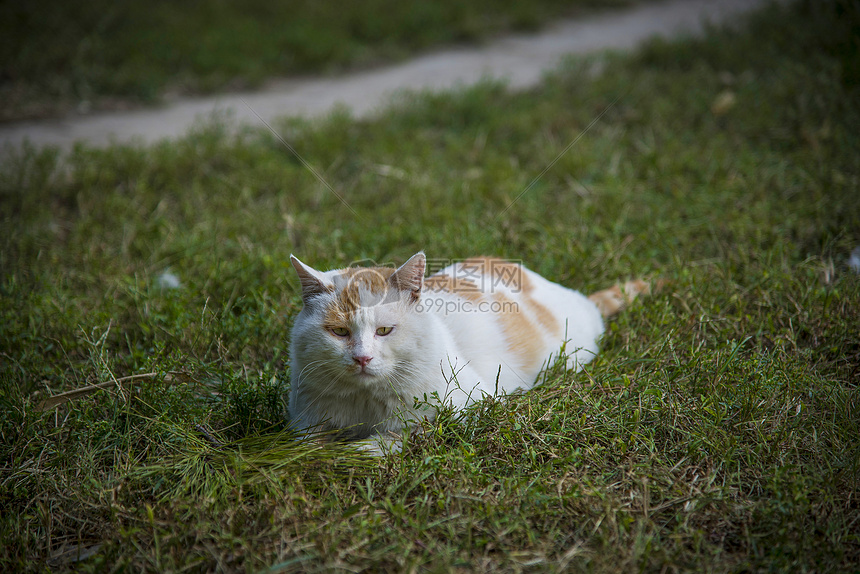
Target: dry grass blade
point(131, 380)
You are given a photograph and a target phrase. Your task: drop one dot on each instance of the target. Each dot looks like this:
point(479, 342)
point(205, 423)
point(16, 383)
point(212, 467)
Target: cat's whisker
point(333, 382)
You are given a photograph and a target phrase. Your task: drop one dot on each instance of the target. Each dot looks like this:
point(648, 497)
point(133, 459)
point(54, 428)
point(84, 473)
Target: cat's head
point(359, 325)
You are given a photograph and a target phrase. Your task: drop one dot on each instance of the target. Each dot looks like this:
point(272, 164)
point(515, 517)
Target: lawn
point(716, 432)
point(57, 56)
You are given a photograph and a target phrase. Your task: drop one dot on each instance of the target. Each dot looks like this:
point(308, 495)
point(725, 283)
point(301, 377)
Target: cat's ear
point(410, 276)
point(312, 280)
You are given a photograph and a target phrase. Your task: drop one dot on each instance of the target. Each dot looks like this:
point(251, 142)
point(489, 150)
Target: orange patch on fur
point(544, 315)
point(524, 339)
point(611, 301)
point(461, 287)
point(500, 273)
point(372, 280)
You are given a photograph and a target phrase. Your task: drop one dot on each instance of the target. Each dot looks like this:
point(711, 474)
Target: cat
point(369, 340)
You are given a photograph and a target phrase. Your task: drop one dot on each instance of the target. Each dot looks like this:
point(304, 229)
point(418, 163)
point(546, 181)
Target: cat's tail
point(611, 301)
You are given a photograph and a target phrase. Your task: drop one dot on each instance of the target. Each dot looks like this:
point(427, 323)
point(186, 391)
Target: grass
point(60, 56)
point(716, 432)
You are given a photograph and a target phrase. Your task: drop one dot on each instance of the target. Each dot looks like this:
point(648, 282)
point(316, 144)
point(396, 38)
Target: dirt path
point(519, 59)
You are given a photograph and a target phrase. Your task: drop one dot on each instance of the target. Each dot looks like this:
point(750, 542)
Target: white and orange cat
point(369, 340)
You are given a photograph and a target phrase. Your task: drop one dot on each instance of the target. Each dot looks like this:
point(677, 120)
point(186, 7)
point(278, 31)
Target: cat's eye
point(383, 331)
point(340, 331)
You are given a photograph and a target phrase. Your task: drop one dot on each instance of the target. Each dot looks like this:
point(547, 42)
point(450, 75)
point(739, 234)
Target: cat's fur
point(370, 340)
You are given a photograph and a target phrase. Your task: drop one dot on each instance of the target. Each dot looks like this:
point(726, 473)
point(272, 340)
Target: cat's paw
point(381, 444)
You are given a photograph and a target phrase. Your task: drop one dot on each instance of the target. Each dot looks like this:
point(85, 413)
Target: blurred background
point(58, 56)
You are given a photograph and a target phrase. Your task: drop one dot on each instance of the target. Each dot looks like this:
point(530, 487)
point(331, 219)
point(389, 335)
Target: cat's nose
point(362, 359)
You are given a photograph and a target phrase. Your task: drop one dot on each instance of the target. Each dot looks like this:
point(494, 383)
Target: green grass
point(59, 55)
point(716, 432)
